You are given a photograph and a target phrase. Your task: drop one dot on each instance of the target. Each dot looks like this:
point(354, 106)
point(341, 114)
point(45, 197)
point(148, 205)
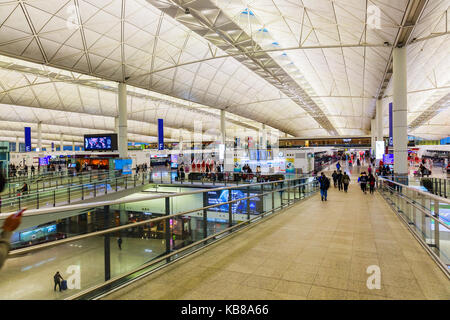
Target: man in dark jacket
point(57, 278)
point(339, 180)
point(334, 176)
point(324, 185)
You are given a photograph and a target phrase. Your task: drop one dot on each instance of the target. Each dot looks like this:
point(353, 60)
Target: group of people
point(341, 180)
point(365, 180)
point(19, 170)
point(142, 168)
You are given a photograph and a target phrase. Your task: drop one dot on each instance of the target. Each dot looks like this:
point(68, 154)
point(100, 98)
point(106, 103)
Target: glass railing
point(219, 178)
point(427, 216)
point(51, 180)
point(22, 176)
point(436, 186)
point(155, 230)
point(90, 186)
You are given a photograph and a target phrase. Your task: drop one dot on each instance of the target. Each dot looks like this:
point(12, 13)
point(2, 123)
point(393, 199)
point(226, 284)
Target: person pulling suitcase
point(57, 278)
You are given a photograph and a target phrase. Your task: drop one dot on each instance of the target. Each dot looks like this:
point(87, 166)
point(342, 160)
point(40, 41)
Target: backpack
point(326, 183)
point(346, 179)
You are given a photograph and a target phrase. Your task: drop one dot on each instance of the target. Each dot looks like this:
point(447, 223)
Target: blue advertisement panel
point(124, 165)
point(390, 125)
point(37, 233)
point(388, 158)
point(27, 139)
point(160, 134)
point(216, 197)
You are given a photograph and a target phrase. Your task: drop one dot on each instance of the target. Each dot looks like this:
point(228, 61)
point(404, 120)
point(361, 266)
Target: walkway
point(314, 250)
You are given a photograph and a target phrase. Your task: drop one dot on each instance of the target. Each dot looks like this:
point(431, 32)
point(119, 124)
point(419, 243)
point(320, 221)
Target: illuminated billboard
point(379, 148)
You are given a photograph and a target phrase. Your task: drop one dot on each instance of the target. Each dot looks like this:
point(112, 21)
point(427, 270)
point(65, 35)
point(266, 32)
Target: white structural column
point(264, 137)
point(373, 135)
point(61, 142)
point(116, 125)
point(73, 145)
point(222, 126)
point(123, 140)
point(223, 131)
point(39, 129)
point(379, 121)
point(399, 113)
point(17, 144)
point(180, 140)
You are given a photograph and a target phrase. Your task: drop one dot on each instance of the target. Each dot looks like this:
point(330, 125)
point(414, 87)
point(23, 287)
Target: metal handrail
point(33, 196)
point(413, 203)
point(79, 206)
point(435, 197)
point(112, 202)
point(61, 186)
point(53, 174)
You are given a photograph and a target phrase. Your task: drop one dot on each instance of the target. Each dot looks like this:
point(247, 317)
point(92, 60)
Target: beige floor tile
point(330, 282)
point(322, 293)
point(404, 293)
point(261, 282)
point(292, 288)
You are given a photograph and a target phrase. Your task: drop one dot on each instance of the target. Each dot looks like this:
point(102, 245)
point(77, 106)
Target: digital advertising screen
point(388, 158)
point(100, 142)
point(221, 196)
point(174, 161)
point(37, 233)
point(379, 145)
point(124, 165)
point(44, 161)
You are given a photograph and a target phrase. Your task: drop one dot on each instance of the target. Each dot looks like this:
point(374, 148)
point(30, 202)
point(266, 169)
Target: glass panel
point(31, 276)
point(135, 246)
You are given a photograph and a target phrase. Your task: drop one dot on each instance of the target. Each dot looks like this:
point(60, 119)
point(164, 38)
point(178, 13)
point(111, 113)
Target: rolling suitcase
point(64, 285)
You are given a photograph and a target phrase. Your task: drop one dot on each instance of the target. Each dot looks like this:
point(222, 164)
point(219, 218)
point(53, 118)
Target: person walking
point(371, 180)
point(324, 185)
point(119, 243)
point(57, 278)
point(338, 166)
point(334, 176)
point(339, 180)
point(345, 181)
point(182, 174)
point(363, 182)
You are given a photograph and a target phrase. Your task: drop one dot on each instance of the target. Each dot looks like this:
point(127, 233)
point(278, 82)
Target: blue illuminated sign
point(160, 134)
point(391, 142)
point(27, 139)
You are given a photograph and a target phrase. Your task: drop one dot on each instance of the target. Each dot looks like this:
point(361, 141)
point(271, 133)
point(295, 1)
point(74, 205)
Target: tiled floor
point(314, 250)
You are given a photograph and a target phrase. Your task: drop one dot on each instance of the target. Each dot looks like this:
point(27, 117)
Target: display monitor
point(124, 165)
point(100, 142)
point(37, 233)
point(44, 161)
point(388, 158)
point(379, 148)
point(174, 161)
point(255, 206)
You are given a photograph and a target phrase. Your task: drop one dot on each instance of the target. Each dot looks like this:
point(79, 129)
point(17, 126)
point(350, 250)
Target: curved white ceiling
point(325, 46)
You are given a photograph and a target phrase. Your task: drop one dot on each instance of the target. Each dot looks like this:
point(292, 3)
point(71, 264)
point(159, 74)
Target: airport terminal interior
point(224, 150)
